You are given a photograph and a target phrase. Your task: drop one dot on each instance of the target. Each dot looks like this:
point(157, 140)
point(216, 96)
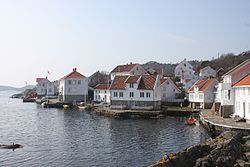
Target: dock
point(219, 124)
point(128, 114)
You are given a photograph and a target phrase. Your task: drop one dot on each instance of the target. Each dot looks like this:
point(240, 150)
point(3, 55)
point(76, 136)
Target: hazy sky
point(57, 35)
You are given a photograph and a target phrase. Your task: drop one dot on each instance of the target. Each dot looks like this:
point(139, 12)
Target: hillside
point(4, 88)
point(225, 61)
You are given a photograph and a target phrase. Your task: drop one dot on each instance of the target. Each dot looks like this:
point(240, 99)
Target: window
point(115, 94)
point(200, 96)
point(95, 96)
point(120, 94)
point(185, 65)
point(141, 94)
point(96, 91)
point(167, 83)
point(43, 84)
point(191, 96)
point(229, 91)
point(131, 85)
point(69, 82)
point(147, 94)
point(173, 90)
point(42, 90)
point(69, 90)
point(248, 107)
point(79, 82)
point(131, 94)
point(50, 90)
point(196, 96)
point(105, 91)
point(99, 97)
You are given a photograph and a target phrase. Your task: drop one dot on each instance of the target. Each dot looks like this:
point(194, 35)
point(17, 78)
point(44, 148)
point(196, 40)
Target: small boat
point(191, 121)
point(11, 146)
point(81, 107)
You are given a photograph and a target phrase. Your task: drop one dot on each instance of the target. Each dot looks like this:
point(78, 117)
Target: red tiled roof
point(39, 79)
point(202, 84)
point(133, 79)
point(119, 82)
point(102, 86)
point(147, 82)
point(246, 62)
point(206, 84)
point(197, 83)
point(244, 81)
point(74, 74)
point(124, 68)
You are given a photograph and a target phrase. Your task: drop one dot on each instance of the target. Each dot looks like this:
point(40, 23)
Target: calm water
point(53, 137)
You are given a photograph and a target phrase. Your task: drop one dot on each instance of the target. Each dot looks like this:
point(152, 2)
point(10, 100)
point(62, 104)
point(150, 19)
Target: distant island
point(5, 88)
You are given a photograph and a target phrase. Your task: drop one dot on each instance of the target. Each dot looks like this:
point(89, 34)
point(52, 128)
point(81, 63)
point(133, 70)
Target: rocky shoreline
point(230, 148)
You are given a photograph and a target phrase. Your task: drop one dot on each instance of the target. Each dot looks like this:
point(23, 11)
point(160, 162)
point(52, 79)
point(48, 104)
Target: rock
point(241, 163)
point(245, 138)
point(247, 155)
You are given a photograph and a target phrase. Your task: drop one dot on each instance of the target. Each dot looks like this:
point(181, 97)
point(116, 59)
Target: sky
point(37, 36)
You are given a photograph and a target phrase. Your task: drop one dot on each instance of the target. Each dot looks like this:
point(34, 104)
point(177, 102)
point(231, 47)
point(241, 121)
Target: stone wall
point(136, 104)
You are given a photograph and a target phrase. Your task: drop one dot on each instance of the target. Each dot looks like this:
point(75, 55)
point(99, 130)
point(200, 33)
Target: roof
point(197, 83)
point(102, 86)
point(124, 68)
point(147, 82)
point(133, 79)
point(119, 82)
point(202, 85)
point(74, 74)
point(39, 79)
point(243, 82)
point(238, 66)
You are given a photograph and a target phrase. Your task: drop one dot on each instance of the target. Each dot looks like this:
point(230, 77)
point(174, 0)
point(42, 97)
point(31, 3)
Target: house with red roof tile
point(102, 93)
point(136, 92)
point(225, 94)
point(242, 97)
point(201, 94)
point(169, 90)
point(127, 69)
point(45, 87)
point(73, 87)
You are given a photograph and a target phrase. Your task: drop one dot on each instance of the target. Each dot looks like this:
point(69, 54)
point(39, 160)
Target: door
point(244, 109)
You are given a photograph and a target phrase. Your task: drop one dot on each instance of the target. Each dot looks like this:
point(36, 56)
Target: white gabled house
point(169, 90)
point(136, 92)
point(44, 87)
point(225, 95)
point(127, 70)
point(73, 87)
point(242, 97)
point(201, 94)
point(184, 71)
point(102, 93)
point(207, 72)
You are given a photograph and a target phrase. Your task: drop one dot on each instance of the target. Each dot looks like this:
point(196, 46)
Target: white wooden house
point(184, 71)
point(201, 94)
point(169, 90)
point(127, 70)
point(225, 95)
point(102, 93)
point(73, 87)
point(242, 97)
point(207, 72)
point(136, 92)
point(44, 87)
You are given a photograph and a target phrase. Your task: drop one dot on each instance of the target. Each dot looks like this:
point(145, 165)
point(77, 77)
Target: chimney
point(130, 62)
